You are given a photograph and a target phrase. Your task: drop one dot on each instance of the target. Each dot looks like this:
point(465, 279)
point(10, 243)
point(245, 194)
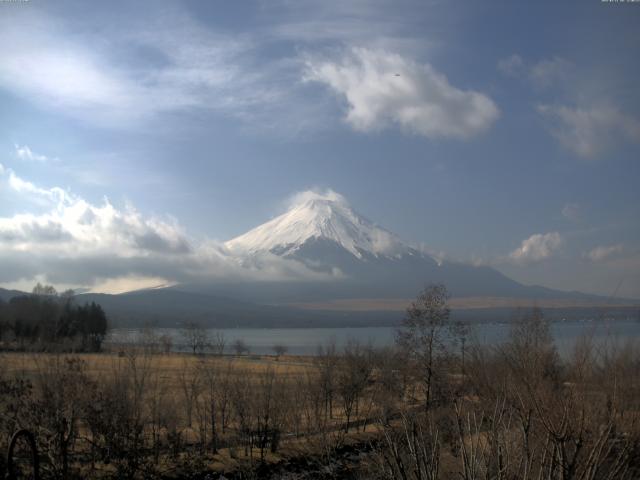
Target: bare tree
point(241, 399)
point(149, 338)
point(116, 413)
point(240, 347)
point(269, 402)
point(56, 409)
point(393, 380)
point(167, 343)
point(160, 410)
point(411, 451)
point(423, 334)
point(190, 382)
point(218, 343)
point(195, 337)
point(225, 398)
point(326, 360)
point(44, 290)
point(213, 398)
point(353, 375)
point(279, 349)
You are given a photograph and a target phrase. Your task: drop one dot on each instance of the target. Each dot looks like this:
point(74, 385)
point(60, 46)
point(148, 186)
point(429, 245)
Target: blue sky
point(497, 133)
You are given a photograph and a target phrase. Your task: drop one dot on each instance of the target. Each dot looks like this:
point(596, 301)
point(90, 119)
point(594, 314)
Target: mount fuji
point(360, 259)
point(328, 218)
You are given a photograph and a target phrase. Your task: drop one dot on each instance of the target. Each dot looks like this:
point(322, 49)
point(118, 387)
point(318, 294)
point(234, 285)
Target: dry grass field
point(168, 365)
point(461, 303)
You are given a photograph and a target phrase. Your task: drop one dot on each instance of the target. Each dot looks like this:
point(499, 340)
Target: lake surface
point(305, 341)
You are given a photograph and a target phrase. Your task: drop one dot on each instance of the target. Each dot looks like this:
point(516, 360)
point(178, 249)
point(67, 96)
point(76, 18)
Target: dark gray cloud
point(48, 231)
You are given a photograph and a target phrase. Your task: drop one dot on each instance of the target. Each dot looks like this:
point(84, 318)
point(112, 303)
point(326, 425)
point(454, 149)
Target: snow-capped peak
point(314, 215)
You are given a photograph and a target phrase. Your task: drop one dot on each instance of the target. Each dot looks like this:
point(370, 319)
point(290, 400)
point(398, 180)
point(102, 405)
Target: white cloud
point(537, 247)
point(604, 252)
point(129, 70)
point(512, 66)
point(300, 198)
point(73, 226)
point(384, 89)
point(550, 71)
point(588, 129)
point(36, 194)
point(589, 132)
point(545, 73)
point(24, 152)
point(374, 24)
point(572, 211)
point(77, 243)
point(71, 79)
point(94, 78)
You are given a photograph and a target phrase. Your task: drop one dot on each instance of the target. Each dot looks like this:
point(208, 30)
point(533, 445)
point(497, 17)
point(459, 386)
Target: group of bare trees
point(434, 406)
point(515, 410)
point(143, 413)
point(544, 418)
point(199, 340)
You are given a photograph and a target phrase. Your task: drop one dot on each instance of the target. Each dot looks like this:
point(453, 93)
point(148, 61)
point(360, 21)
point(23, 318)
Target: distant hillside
point(170, 308)
point(6, 295)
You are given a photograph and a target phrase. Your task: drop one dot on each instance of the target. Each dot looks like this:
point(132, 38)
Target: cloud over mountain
point(302, 197)
point(75, 242)
point(537, 247)
point(604, 252)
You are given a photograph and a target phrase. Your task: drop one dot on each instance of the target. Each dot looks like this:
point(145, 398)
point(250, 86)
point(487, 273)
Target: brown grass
point(170, 364)
point(462, 303)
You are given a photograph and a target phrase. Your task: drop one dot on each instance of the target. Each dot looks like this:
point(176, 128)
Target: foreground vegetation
point(433, 407)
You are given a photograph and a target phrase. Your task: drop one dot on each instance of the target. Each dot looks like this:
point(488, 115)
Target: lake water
point(305, 341)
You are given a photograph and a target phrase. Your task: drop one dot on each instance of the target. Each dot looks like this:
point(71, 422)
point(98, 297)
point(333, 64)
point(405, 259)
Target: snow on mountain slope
point(319, 216)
